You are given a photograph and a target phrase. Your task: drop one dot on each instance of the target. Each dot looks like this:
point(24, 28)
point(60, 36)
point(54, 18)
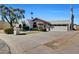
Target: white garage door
point(59, 28)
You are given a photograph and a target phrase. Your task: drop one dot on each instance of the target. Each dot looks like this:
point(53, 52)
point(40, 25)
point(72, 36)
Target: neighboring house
point(61, 25)
point(77, 27)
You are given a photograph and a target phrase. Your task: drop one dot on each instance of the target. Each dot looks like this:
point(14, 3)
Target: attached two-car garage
point(60, 25)
point(60, 28)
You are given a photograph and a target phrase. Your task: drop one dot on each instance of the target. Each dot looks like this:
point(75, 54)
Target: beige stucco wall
point(4, 25)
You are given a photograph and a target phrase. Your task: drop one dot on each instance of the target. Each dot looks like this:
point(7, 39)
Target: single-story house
point(57, 25)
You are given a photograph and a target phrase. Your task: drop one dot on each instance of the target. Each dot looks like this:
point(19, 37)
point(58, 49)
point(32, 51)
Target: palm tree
point(72, 18)
point(20, 13)
point(11, 15)
point(31, 15)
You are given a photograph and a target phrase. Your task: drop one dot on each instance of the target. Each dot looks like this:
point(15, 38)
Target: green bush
point(25, 27)
point(8, 30)
point(44, 30)
point(35, 29)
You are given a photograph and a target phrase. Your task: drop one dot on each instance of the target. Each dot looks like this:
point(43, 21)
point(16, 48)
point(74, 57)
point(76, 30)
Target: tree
point(72, 17)
point(11, 15)
point(32, 15)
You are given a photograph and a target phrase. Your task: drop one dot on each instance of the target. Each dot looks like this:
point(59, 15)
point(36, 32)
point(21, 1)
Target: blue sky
point(49, 12)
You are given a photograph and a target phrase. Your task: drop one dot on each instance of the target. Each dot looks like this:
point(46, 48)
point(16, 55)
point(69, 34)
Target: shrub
point(25, 27)
point(35, 29)
point(8, 30)
point(44, 30)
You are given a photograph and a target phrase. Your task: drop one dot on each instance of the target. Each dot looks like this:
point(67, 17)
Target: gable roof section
point(37, 19)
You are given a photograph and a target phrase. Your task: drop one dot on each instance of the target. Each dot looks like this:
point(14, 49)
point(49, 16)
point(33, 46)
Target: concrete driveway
point(43, 42)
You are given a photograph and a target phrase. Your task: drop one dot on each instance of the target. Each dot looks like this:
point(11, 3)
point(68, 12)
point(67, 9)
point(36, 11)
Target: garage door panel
point(60, 28)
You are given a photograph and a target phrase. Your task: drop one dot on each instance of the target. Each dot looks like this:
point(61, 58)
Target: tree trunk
point(11, 25)
point(10, 22)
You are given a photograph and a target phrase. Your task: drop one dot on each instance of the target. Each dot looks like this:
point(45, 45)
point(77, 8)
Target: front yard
point(23, 32)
